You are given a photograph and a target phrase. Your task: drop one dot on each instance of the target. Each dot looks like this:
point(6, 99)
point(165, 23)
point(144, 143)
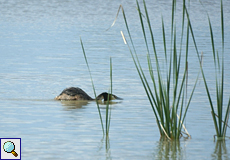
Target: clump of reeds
point(167, 88)
point(218, 114)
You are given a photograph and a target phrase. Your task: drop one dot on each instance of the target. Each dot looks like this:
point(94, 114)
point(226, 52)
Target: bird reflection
point(80, 104)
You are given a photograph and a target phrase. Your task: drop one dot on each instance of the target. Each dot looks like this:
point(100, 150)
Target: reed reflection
point(220, 151)
point(169, 150)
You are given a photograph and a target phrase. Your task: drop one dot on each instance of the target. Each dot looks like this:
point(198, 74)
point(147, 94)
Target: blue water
point(41, 55)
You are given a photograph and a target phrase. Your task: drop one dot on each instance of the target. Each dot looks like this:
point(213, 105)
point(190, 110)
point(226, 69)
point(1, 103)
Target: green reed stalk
point(99, 111)
point(108, 109)
point(168, 95)
point(218, 115)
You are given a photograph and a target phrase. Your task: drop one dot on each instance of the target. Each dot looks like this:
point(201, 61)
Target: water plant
point(108, 108)
point(218, 114)
point(167, 88)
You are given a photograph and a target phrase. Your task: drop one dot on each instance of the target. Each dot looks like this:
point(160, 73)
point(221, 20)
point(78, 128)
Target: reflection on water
point(169, 150)
point(105, 144)
point(74, 104)
point(79, 104)
point(221, 151)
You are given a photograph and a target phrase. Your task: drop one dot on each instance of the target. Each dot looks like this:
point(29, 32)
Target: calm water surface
point(41, 55)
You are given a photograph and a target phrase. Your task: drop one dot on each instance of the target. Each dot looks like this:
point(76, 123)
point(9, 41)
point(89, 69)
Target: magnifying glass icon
point(9, 147)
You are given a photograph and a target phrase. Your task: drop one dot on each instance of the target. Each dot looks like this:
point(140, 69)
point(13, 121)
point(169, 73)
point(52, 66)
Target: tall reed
point(95, 95)
point(166, 89)
point(108, 108)
point(218, 114)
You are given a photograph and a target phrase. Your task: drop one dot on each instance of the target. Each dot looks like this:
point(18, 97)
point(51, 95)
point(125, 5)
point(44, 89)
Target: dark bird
point(76, 94)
